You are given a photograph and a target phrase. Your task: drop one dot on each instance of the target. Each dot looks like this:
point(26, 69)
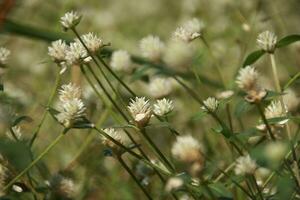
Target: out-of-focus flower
point(77, 54)
point(211, 103)
point(225, 94)
point(117, 135)
point(71, 108)
point(58, 50)
point(173, 183)
point(291, 100)
point(121, 61)
point(70, 20)
point(275, 151)
point(189, 31)
point(152, 47)
point(248, 81)
point(267, 41)
point(245, 165)
point(160, 87)
point(275, 110)
point(4, 55)
point(92, 42)
point(17, 133)
point(62, 186)
point(163, 107)
point(141, 111)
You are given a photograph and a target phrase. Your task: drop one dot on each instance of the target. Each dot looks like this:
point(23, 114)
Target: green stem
point(36, 160)
point(253, 179)
point(262, 114)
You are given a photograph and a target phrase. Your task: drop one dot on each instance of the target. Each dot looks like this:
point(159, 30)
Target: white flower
point(70, 20)
point(160, 87)
point(58, 50)
point(152, 47)
point(187, 149)
point(62, 186)
point(173, 183)
point(4, 54)
point(163, 107)
point(245, 165)
point(247, 78)
point(71, 107)
point(291, 100)
point(267, 41)
point(225, 94)
point(140, 110)
point(275, 110)
point(121, 61)
point(189, 31)
point(117, 135)
point(211, 103)
point(92, 42)
point(77, 53)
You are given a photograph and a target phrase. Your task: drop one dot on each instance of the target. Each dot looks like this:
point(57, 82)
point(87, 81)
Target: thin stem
point(37, 130)
point(252, 177)
point(124, 165)
point(262, 114)
point(36, 160)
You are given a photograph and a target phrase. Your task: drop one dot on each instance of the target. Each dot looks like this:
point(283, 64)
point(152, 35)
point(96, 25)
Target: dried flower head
point(70, 107)
point(58, 50)
point(267, 41)
point(77, 54)
point(163, 107)
point(211, 103)
point(4, 54)
point(189, 31)
point(92, 42)
point(117, 135)
point(160, 87)
point(141, 111)
point(70, 20)
point(152, 47)
point(121, 61)
point(173, 183)
point(62, 186)
point(275, 110)
point(245, 165)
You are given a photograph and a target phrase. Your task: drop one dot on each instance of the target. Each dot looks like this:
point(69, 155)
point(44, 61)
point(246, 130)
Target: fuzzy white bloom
point(117, 135)
point(173, 183)
point(62, 186)
point(163, 107)
point(179, 55)
point(77, 53)
point(267, 41)
point(92, 42)
point(245, 165)
point(290, 99)
point(152, 47)
point(70, 20)
point(211, 103)
point(58, 50)
point(4, 55)
point(141, 110)
point(186, 148)
point(275, 110)
point(189, 31)
point(160, 87)
point(71, 107)
point(276, 151)
point(247, 78)
point(121, 61)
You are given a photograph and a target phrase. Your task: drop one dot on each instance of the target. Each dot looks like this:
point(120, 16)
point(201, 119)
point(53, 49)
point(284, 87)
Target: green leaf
point(82, 123)
point(276, 120)
point(292, 80)
point(224, 131)
point(287, 40)
point(253, 57)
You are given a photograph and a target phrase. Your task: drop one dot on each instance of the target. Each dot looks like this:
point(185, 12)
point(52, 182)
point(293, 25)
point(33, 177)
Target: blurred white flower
point(211, 103)
point(275, 110)
point(62, 186)
point(77, 54)
point(117, 135)
point(163, 107)
point(70, 20)
point(92, 42)
point(68, 92)
point(290, 99)
point(245, 165)
point(276, 151)
point(121, 61)
point(267, 41)
point(4, 55)
point(152, 47)
point(160, 87)
point(173, 183)
point(225, 94)
point(189, 31)
point(141, 110)
point(58, 50)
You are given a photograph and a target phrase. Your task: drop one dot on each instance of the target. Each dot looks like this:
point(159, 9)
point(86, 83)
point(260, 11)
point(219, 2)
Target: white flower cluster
point(92, 42)
point(4, 55)
point(152, 47)
point(245, 165)
point(275, 110)
point(58, 50)
point(70, 106)
point(163, 107)
point(267, 41)
point(70, 20)
point(189, 31)
point(211, 104)
point(140, 110)
point(121, 61)
point(62, 186)
point(160, 87)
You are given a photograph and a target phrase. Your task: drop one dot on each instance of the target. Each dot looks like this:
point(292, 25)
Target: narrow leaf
point(287, 40)
point(253, 57)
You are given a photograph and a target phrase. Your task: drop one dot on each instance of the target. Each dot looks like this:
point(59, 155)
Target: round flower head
point(68, 92)
point(92, 42)
point(140, 110)
point(62, 186)
point(245, 165)
point(163, 107)
point(58, 50)
point(275, 110)
point(70, 20)
point(117, 135)
point(211, 103)
point(267, 41)
point(77, 54)
point(160, 87)
point(121, 61)
point(4, 54)
point(189, 31)
point(152, 47)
